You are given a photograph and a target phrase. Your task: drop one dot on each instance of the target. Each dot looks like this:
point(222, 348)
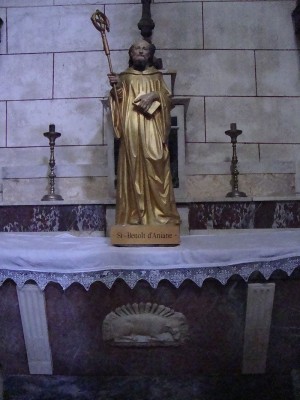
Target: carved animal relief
point(145, 324)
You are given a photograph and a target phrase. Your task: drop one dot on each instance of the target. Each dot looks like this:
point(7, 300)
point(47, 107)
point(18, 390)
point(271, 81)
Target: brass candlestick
point(52, 136)
point(234, 133)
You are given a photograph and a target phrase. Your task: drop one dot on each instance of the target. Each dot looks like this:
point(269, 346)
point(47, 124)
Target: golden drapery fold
point(144, 183)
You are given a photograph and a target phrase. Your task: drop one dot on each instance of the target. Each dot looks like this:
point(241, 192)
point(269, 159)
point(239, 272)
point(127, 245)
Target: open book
point(154, 106)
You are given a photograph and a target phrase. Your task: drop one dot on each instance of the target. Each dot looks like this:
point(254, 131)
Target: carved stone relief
point(145, 325)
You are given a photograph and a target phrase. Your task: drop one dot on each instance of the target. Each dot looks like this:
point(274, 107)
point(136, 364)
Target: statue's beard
point(140, 64)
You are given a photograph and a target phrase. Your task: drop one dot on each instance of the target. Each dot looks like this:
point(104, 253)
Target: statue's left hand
point(145, 100)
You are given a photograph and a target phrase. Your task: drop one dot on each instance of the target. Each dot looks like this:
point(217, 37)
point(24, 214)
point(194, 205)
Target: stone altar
point(74, 312)
point(76, 303)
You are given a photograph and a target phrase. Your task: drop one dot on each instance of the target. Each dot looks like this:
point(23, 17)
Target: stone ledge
point(181, 201)
point(244, 167)
point(207, 168)
point(64, 170)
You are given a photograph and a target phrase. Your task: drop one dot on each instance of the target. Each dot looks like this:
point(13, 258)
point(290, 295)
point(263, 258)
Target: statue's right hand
point(113, 79)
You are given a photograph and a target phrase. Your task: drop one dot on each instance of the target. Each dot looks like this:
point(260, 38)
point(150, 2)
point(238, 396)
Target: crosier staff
point(101, 23)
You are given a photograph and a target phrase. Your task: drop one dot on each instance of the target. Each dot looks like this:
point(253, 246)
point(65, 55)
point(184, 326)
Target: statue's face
point(140, 53)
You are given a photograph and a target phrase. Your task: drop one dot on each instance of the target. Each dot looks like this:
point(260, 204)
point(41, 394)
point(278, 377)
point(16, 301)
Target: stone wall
point(236, 61)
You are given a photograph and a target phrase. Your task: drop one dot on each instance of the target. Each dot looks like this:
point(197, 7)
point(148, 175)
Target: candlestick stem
point(52, 136)
point(234, 133)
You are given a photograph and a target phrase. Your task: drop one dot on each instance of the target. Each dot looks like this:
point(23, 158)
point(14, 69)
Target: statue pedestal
point(132, 235)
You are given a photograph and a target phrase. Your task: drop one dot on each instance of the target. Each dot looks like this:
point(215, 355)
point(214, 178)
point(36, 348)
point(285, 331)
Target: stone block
point(283, 152)
point(179, 112)
point(184, 217)
point(110, 217)
point(30, 156)
point(61, 170)
point(167, 1)
point(272, 184)
point(107, 122)
point(183, 1)
point(119, 62)
point(72, 190)
point(21, 172)
point(195, 129)
point(78, 121)
point(32, 81)
point(3, 43)
point(76, 155)
point(173, 26)
point(109, 141)
point(26, 3)
point(96, 2)
point(84, 74)
point(220, 152)
point(244, 167)
point(206, 187)
point(212, 187)
point(277, 73)
point(209, 168)
point(52, 29)
point(2, 124)
point(262, 120)
point(212, 73)
point(124, 31)
point(249, 25)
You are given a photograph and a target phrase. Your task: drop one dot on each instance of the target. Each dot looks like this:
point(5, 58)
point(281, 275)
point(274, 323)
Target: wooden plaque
point(132, 235)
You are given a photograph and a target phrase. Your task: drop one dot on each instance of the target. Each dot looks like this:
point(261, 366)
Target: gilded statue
point(140, 106)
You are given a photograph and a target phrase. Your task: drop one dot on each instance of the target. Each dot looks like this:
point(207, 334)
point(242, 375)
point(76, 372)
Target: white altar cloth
point(66, 258)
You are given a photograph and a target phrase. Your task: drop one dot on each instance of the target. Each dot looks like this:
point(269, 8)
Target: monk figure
point(141, 120)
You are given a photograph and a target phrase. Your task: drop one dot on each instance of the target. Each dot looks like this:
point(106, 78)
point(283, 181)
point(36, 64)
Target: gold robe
point(144, 183)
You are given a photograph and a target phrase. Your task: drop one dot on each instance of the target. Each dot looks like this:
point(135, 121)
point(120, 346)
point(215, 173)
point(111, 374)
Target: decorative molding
point(35, 329)
point(145, 325)
point(257, 328)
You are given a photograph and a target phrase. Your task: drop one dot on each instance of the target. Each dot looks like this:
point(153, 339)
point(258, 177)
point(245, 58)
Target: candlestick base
point(51, 197)
point(236, 193)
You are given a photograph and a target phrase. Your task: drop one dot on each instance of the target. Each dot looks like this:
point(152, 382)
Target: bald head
point(141, 54)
